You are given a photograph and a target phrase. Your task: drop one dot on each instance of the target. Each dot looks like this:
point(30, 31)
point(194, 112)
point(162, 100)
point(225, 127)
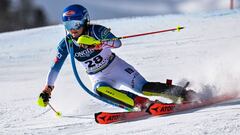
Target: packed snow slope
point(206, 53)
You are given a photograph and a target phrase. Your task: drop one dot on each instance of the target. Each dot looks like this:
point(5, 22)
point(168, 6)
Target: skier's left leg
point(122, 97)
point(174, 92)
point(127, 75)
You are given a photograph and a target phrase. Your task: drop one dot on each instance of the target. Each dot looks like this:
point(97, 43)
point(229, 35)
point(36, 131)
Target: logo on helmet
point(69, 13)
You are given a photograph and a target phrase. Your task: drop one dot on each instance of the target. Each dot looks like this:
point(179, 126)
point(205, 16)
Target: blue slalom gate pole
point(82, 84)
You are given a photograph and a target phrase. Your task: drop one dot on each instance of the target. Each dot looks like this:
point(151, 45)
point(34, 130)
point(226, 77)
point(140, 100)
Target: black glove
point(45, 96)
point(43, 99)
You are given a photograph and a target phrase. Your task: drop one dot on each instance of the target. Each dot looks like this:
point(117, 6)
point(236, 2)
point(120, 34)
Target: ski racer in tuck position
point(106, 70)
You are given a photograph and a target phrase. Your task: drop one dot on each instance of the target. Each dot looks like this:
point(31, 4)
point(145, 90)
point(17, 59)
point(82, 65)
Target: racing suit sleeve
point(62, 53)
point(101, 32)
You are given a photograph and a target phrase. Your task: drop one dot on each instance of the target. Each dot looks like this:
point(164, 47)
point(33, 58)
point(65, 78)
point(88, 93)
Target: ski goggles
point(73, 24)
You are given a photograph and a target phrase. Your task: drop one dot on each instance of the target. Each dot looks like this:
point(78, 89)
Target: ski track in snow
point(205, 53)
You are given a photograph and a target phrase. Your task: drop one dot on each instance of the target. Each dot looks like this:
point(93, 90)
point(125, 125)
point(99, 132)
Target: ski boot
point(176, 93)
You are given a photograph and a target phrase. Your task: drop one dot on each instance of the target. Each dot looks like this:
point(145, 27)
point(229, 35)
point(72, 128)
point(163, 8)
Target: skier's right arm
point(62, 53)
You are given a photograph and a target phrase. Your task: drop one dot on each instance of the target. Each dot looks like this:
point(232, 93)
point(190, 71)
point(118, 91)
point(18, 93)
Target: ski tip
point(106, 118)
point(96, 117)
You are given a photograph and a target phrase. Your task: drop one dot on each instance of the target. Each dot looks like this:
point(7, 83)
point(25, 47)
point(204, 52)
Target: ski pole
point(178, 28)
point(56, 112)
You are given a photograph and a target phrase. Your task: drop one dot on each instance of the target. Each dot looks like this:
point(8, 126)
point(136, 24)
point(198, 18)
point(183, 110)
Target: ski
point(159, 109)
point(108, 117)
point(207, 102)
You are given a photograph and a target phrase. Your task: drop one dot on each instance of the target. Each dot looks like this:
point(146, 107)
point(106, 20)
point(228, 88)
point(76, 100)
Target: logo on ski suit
point(84, 53)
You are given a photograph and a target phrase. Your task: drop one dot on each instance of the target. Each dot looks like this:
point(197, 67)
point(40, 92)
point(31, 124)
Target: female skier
point(106, 70)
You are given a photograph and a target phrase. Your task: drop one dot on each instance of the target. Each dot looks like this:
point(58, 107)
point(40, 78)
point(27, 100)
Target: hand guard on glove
point(86, 41)
point(45, 96)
